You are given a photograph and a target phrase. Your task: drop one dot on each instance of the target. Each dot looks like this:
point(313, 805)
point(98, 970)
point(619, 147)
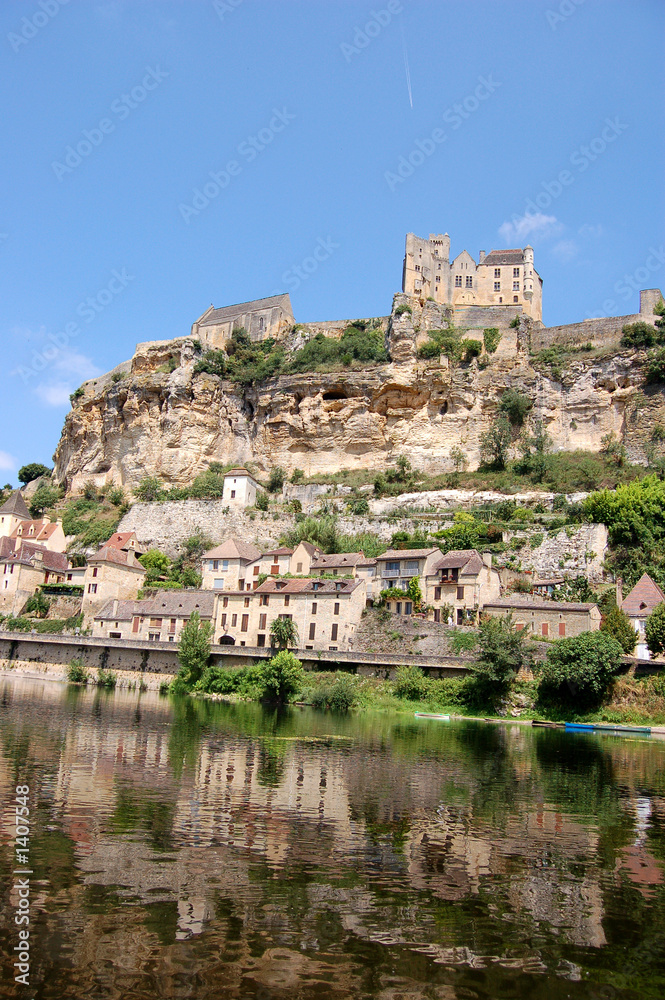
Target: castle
point(501, 278)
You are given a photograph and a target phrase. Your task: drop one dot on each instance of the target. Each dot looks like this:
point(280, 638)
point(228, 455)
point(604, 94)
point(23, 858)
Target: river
point(190, 849)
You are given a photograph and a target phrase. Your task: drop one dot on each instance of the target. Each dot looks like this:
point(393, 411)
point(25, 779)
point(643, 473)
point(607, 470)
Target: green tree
point(638, 335)
point(534, 448)
point(579, 670)
point(284, 633)
point(654, 629)
point(276, 480)
point(655, 366)
point(415, 593)
point(491, 337)
point(516, 405)
point(45, 497)
point(38, 603)
point(262, 502)
point(282, 676)
point(502, 653)
point(357, 504)
point(617, 624)
point(156, 564)
point(149, 489)
point(297, 476)
point(494, 444)
point(33, 470)
point(194, 649)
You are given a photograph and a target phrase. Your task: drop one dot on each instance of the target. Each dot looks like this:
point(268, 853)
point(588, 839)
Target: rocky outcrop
point(157, 417)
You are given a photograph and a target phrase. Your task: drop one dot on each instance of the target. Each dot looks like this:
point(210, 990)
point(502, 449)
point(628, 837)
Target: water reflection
point(202, 850)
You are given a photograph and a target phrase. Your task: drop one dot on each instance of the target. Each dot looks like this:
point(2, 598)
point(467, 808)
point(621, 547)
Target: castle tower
point(426, 269)
point(528, 273)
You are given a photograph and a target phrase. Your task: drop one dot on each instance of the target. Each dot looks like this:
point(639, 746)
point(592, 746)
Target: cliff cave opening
point(335, 394)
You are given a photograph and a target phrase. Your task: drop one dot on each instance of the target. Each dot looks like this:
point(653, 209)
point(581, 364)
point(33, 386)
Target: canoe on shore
point(605, 727)
point(431, 715)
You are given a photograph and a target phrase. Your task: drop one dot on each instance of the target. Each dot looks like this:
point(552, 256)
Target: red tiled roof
point(643, 598)
point(233, 549)
point(118, 556)
point(469, 560)
point(279, 552)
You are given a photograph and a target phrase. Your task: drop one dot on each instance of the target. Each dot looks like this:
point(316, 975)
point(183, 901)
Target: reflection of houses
point(464, 580)
point(638, 605)
point(554, 619)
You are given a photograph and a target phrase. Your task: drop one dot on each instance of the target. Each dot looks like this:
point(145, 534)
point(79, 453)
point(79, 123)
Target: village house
point(158, 619)
point(325, 612)
point(43, 531)
point(353, 564)
point(233, 565)
point(25, 568)
point(303, 556)
point(550, 619)
point(240, 488)
point(277, 562)
point(126, 541)
point(460, 583)
point(111, 574)
point(638, 605)
point(13, 511)
point(397, 567)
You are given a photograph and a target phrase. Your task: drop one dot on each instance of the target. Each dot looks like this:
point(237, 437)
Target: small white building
point(638, 605)
point(240, 488)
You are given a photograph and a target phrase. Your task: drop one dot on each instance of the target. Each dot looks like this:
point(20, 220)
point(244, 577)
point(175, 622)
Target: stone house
point(464, 580)
point(233, 565)
point(502, 279)
point(126, 541)
point(397, 567)
point(302, 558)
point(638, 605)
point(111, 574)
point(240, 488)
point(25, 568)
point(353, 564)
point(158, 619)
point(325, 612)
point(550, 619)
point(277, 562)
point(261, 318)
point(13, 511)
point(43, 531)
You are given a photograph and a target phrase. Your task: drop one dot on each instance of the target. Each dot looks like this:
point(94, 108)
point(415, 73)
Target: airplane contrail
point(406, 66)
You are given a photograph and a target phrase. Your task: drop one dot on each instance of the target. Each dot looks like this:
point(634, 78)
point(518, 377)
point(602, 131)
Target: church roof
point(16, 505)
point(643, 598)
point(212, 318)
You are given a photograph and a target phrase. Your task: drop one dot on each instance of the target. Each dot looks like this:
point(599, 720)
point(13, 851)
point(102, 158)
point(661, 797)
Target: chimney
point(487, 559)
point(115, 608)
point(619, 592)
point(481, 256)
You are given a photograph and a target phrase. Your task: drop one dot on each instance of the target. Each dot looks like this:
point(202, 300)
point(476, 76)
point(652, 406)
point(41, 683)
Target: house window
point(469, 281)
point(562, 628)
point(314, 607)
point(312, 630)
point(417, 267)
point(515, 298)
point(115, 635)
point(408, 607)
point(172, 625)
point(545, 628)
point(260, 640)
point(247, 602)
point(92, 587)
point(223, 621)
point(286, 600)
point(437, 277)
point(333, 632)
point(225, 602)
point(245, 623)
point(155, 623)
point(94, 572)
point(437, 594)
point(135, 625)
point(256, 570)
point(392, 566)
point(233, 494)
point(336, 609)
point(286, 618)
point(516, 272)
point(153, 636)
point(497, 272)
point(69, 577)
point(460, 593)
point(398, 608)
point(316, 586)
point(234, 621)
point(458, 281)
point(225, 564)
point(516, 286)
point(501, 298)
point(215, 564)
point(262, 621)
point(274, 570)
point(298, 567)
point(264, 600)
point(497, 286)
point(437, 615)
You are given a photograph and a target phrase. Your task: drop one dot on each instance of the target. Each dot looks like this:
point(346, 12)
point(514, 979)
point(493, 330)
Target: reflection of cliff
point(239, 850)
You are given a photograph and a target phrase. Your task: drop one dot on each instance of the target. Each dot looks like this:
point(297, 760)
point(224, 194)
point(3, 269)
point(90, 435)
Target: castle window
point(497, 272)
point(516, 298)
point(501, 298)
point(497, 286)
point(469, 281)
point(261, 323)
point(437, 277)
point(516, 272)
point(516, 286)
point(458, 281)
point(417, 267)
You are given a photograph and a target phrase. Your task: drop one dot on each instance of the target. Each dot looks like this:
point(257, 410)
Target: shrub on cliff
point(655, 366)
point(516, 405)
point(494, 444)
point(639, 335)
point(491, 338)
point(358, 345)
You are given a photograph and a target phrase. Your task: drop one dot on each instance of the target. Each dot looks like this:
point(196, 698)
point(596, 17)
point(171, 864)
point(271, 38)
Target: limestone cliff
point(155, 416)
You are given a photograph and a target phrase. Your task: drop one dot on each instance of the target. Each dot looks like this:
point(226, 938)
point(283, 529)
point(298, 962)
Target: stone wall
point(571, 552)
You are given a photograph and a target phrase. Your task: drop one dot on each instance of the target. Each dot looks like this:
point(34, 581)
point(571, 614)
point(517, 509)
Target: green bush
point(106, 678)
point(502, 652)
point(262, 502)
point(403, 308)
point(34, 470)
point(514, 323)
point(471, 349)
point(76, 672)
point(149, 489)
point(282, 677)
point(655, 629)
point(639, 335)
point(354, 345)
point(516, 405)
point(579, 670)
point(411, 683)
point(655, 366)
point(338, 696)
point(76, 395)
point(617, 624)
point(462, 642)
point(491, 339)
point(276, 480)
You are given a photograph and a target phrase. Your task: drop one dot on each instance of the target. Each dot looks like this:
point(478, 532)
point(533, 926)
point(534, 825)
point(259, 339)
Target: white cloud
point(591, 232)
point(565, 250)
point(54, 395)
point(523, 227)
point(70, 363)
point(7, 463)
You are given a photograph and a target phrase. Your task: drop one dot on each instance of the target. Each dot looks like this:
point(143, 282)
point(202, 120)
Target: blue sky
point(116, 112)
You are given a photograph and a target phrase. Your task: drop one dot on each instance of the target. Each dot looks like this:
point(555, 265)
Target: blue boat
point(604, 727)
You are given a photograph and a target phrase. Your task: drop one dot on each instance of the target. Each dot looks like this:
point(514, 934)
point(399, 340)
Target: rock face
point(156, 417)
